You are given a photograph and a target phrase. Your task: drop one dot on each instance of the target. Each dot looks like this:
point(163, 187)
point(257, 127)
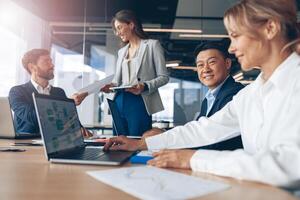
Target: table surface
point(28, 175)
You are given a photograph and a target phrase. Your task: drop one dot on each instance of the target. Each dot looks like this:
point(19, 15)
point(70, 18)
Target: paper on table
point(97, 85)
point(153, 183)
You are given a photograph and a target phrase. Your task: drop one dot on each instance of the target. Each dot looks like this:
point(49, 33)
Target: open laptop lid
point(7, 129)
point(59, 124)
point(117, 121)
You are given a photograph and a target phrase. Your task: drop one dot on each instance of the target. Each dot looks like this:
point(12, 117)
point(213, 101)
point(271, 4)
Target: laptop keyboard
point(85, 154)
point(92, 154)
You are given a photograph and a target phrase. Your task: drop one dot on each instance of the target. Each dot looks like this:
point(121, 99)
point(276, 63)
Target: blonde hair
point(250, 15)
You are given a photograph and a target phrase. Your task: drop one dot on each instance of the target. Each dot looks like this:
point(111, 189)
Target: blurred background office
point(84, 48)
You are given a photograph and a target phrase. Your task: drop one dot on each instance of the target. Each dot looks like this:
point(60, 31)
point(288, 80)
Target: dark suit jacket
point(21, 102)
point(226, 92)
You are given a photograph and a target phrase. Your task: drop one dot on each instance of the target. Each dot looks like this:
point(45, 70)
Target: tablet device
point(121, 87)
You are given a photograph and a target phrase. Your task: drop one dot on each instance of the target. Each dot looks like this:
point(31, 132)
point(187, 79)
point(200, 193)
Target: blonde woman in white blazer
point(140, 64)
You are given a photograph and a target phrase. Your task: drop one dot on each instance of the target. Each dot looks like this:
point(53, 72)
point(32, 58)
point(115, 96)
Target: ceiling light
point(237, 75)
point(184, 67)
point(172, 64)
point(245, 82)
point(203, 36)
point(239, 78)
point(77, 33)
point(171, 30)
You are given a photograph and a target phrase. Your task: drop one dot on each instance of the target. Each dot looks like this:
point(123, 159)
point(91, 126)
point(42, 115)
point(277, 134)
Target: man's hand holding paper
point(92, 88)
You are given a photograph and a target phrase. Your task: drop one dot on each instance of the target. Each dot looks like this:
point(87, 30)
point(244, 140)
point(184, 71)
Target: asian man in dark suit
point(213, 67)
point(38, 64)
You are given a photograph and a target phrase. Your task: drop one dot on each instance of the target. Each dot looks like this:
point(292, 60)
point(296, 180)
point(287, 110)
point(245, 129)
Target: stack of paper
point(154, 183)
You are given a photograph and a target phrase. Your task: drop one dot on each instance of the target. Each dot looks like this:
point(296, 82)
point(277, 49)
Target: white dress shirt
point(211, 96)
point(40, 89)
point(266, 114)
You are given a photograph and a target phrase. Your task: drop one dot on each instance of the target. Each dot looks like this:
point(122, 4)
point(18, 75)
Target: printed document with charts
point(148, 182)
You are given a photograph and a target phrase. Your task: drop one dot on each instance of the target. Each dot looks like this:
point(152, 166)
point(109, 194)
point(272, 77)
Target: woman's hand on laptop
point(125, 144)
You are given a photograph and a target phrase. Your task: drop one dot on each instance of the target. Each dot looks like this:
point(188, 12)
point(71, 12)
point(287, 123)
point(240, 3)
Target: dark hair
point(32, 56)
point(128, 16)
point(211, 45)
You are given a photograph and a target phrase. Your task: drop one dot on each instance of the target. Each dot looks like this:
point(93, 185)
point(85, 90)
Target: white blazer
point(151, 71)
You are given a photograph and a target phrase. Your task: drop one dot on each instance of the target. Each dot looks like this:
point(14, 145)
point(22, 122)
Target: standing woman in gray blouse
point(140, 64)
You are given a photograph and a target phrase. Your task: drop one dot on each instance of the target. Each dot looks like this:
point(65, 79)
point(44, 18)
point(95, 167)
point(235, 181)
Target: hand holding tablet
point(121, 87)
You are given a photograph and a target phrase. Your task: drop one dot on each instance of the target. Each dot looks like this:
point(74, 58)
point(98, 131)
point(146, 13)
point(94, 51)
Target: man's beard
point(47, 76)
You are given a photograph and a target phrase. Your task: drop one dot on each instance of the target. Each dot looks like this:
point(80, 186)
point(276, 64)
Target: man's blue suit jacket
point(21, 102)
point(226, 92)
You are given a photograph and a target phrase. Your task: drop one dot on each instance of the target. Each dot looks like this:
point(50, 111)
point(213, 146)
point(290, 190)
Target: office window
point(20, 31)
point(8, 51)
point(182, 101)
point(72, 74)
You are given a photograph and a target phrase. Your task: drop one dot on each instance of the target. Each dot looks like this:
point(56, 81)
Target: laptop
point(117, 123)
point(63, 142)
point(7, 129)
point(117, 120)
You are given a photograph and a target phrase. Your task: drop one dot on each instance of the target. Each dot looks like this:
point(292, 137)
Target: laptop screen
point(59, 123)
point(7, 128)
point(117, 121)
point(6, 123)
